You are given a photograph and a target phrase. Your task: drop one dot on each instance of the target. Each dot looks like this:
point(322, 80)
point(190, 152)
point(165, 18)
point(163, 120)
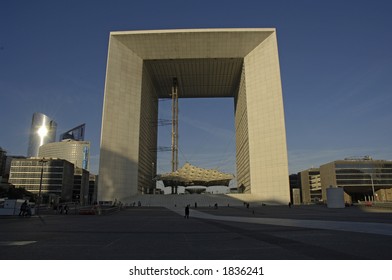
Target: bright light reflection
point(42, 132)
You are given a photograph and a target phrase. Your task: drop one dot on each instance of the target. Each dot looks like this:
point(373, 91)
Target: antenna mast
point(174, 146)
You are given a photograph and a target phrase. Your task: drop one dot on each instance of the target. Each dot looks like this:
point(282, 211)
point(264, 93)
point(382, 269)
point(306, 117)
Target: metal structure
point(359, 158)
point(76, 133)
point(42, 161)
point(174, 147)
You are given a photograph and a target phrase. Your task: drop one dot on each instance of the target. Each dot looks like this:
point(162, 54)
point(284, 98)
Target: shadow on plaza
point(144, 233)
point(159, 233)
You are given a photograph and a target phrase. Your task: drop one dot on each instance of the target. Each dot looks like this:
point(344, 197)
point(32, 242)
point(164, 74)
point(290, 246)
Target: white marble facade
point(238, 63)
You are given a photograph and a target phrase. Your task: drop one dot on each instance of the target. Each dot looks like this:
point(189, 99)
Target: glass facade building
point(77, 152)
point(42, 131)
point(364, 179)
point(76, 133)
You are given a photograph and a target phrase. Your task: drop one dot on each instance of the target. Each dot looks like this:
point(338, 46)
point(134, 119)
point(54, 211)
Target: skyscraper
point(42, 131)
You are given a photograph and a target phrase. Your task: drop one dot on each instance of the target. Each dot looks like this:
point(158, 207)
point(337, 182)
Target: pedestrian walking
point(187, 212)
point(23, 207)
point(28, 210)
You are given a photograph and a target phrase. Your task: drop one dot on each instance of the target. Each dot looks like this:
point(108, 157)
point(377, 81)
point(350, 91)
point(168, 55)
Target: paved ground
point(270, 232)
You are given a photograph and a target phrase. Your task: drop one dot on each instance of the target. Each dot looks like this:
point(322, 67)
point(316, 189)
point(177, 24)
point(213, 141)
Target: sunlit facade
point(42, 131)
point(57, 176)
point(241, 64)
point(77, 152)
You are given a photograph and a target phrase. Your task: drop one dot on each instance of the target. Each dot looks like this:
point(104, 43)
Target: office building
point(241, 64)
point(295, 189)
point(3, 158)
point(310, 182)
point(80, 191)
point(93, 189)
point(42, 131)
point(57, 177)
point(76, 152)
point(362, 179)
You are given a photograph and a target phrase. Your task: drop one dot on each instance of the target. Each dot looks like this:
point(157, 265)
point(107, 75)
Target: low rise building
point(3, 157)
point(80, 191)
point(310, 182)
point(362, 179)
point(295, 189)
point(93, 188)
point(53, 177)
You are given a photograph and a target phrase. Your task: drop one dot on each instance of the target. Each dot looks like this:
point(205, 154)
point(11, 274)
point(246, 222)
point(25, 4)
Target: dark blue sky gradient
point(336, 68)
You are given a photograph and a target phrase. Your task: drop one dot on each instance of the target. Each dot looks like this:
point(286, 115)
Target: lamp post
point(371, 179)
point(42, 161)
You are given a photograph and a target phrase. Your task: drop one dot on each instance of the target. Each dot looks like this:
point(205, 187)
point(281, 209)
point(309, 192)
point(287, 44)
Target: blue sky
point(336, 68)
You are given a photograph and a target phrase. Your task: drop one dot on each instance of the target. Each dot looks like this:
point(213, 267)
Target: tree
point(16, 193)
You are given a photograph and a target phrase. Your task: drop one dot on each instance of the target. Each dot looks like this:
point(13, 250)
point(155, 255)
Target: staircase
point(202, 200)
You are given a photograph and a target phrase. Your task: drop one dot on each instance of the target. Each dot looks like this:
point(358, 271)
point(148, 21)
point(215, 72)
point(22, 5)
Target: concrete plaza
point(268, 232)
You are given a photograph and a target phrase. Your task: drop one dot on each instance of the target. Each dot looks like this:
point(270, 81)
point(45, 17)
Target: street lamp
point(371, 179)
point(42, 161)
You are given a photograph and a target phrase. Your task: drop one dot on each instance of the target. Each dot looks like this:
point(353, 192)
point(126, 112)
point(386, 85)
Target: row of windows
point(364, 182)
point(36, 169)
point(364, 165)
point(35, 181)
point(364, 171)
point(35, 175)
point(364, 176)
point(44, 188)
point(36, 163)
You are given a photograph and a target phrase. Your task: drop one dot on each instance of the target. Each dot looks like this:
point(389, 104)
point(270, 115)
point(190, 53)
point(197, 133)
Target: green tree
point(16, 193)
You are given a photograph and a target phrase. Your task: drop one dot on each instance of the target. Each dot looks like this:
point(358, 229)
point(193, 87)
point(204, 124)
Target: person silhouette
point(187, 212)
point(23, 208)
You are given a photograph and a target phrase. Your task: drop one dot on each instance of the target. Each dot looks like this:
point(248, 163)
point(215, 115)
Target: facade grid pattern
point(238, 63)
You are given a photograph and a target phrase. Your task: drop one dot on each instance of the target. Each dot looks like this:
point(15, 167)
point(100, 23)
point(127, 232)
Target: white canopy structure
point(190, 175)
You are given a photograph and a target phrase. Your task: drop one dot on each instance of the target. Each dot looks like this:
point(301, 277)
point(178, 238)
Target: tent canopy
point(190, 175)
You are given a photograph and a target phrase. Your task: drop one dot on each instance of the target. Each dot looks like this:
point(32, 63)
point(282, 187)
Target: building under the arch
point(190, 175)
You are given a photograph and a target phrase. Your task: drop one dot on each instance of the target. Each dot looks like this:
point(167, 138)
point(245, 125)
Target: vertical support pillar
point(174, 189)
